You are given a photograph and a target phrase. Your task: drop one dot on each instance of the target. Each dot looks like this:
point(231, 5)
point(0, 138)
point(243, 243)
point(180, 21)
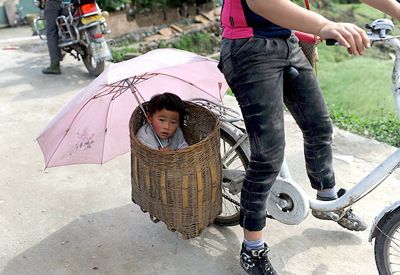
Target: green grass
point(119, 53)
point(358, 90)
point(199, 42)
point(358, 85)
point(363, 12)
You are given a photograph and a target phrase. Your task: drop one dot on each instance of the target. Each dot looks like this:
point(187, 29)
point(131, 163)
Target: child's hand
point(348, 35)
point(166, 149)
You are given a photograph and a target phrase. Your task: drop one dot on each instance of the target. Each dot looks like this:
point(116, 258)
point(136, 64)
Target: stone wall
point(119, 24)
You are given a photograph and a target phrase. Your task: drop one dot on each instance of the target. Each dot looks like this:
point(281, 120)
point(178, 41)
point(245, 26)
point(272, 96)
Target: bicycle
point(287, 202)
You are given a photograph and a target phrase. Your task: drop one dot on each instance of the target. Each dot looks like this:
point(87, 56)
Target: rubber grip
point(331, 42)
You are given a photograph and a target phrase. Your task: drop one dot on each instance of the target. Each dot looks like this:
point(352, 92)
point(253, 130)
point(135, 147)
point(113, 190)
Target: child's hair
point(168, 101)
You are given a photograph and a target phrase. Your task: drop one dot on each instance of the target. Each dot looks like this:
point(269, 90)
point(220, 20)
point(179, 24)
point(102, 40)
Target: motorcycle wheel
point(387, 244)
point(95, 68)
point(230, 202)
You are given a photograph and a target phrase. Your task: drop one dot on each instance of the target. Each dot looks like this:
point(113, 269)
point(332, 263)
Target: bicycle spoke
point(229, 159)
point(395, 241)
point(234, 162)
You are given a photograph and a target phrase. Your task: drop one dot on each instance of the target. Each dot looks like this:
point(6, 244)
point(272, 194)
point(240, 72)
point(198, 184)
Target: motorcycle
point(81, 32)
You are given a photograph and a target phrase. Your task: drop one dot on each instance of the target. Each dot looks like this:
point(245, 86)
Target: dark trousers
point(256, 69)
point(51, 12)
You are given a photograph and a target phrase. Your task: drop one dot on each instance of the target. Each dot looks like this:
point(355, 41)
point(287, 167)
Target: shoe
point(345, 218)
point(52, 69)
point(255, 261)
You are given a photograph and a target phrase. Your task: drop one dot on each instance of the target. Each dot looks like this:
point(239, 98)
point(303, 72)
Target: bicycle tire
point(230, 219)
point(387, 257)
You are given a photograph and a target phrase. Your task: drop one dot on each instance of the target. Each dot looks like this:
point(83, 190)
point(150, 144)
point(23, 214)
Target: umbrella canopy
point(94, 126)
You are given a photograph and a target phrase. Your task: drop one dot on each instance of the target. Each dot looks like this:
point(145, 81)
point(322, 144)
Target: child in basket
point(165, 114)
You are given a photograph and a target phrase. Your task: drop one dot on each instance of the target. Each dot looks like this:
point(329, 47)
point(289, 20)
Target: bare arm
point(289, 15)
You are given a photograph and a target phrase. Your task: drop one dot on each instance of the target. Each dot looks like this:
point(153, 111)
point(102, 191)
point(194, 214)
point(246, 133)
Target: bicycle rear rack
point(225, 114)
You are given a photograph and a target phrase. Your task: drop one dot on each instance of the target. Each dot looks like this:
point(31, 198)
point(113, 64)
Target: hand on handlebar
point(348, 35)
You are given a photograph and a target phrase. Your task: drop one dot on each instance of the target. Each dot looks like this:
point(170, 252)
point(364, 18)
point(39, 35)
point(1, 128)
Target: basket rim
point(184, 150)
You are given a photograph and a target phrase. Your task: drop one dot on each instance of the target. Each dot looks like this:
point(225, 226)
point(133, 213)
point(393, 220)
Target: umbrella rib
point(66, 132)
point(106, 126)
point(116, 90)
point(73, 120)
point(190, 83)
point(137, 80)
point(146, 76)
point(121, 89)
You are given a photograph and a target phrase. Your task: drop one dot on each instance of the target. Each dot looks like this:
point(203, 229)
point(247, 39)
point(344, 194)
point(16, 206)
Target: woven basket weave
point(309, 51)
point(181, 188)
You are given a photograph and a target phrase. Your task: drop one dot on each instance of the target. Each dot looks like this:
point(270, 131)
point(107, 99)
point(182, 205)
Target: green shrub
point(202, 43)
point(199, 42)
point(112, 5)
point(150, 4)
point(118, 54)
point(348, 1)
point(385, 129)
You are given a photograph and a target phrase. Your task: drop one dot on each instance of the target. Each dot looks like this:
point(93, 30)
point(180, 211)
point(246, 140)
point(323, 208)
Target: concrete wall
point(3, 16)
point(24, 7)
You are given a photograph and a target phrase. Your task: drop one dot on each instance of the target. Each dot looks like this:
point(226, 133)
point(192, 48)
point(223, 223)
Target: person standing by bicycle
point(265, 68)
point(52, 10)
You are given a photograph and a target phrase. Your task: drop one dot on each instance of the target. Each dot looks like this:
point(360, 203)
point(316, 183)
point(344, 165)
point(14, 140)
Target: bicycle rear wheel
point(387, 244)
point(236, 161)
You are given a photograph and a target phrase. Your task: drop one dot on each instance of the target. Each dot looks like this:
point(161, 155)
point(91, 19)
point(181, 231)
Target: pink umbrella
point(94, 126)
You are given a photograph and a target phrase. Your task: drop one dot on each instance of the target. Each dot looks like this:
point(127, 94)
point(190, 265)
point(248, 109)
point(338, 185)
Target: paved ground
point(80, 220)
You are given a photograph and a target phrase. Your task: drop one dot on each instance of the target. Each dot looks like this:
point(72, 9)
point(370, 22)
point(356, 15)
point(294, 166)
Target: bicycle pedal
point(341, 192)
point(333, 216)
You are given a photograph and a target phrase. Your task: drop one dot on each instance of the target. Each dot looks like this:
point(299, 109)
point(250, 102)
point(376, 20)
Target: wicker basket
point(309, 51)
point(181, 188)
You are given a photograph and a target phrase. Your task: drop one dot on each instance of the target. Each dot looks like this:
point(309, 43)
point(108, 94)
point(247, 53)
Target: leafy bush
point(202, 43)
point(150, 4)
point(199, 42)
point(385, 129)
point(112, 5)
point(118, 54)
point(348, 1)
point(179, 3)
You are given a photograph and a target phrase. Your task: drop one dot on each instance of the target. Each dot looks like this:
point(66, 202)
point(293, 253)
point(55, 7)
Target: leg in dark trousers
point(52, 10)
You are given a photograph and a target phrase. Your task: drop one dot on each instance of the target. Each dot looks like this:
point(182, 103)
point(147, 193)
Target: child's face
point(164, 122)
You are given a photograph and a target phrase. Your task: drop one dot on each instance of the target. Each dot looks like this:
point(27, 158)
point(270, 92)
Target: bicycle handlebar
point(372, 37)
point(379, 30)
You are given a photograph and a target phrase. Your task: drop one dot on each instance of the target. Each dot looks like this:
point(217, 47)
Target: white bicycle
point(287, 202)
